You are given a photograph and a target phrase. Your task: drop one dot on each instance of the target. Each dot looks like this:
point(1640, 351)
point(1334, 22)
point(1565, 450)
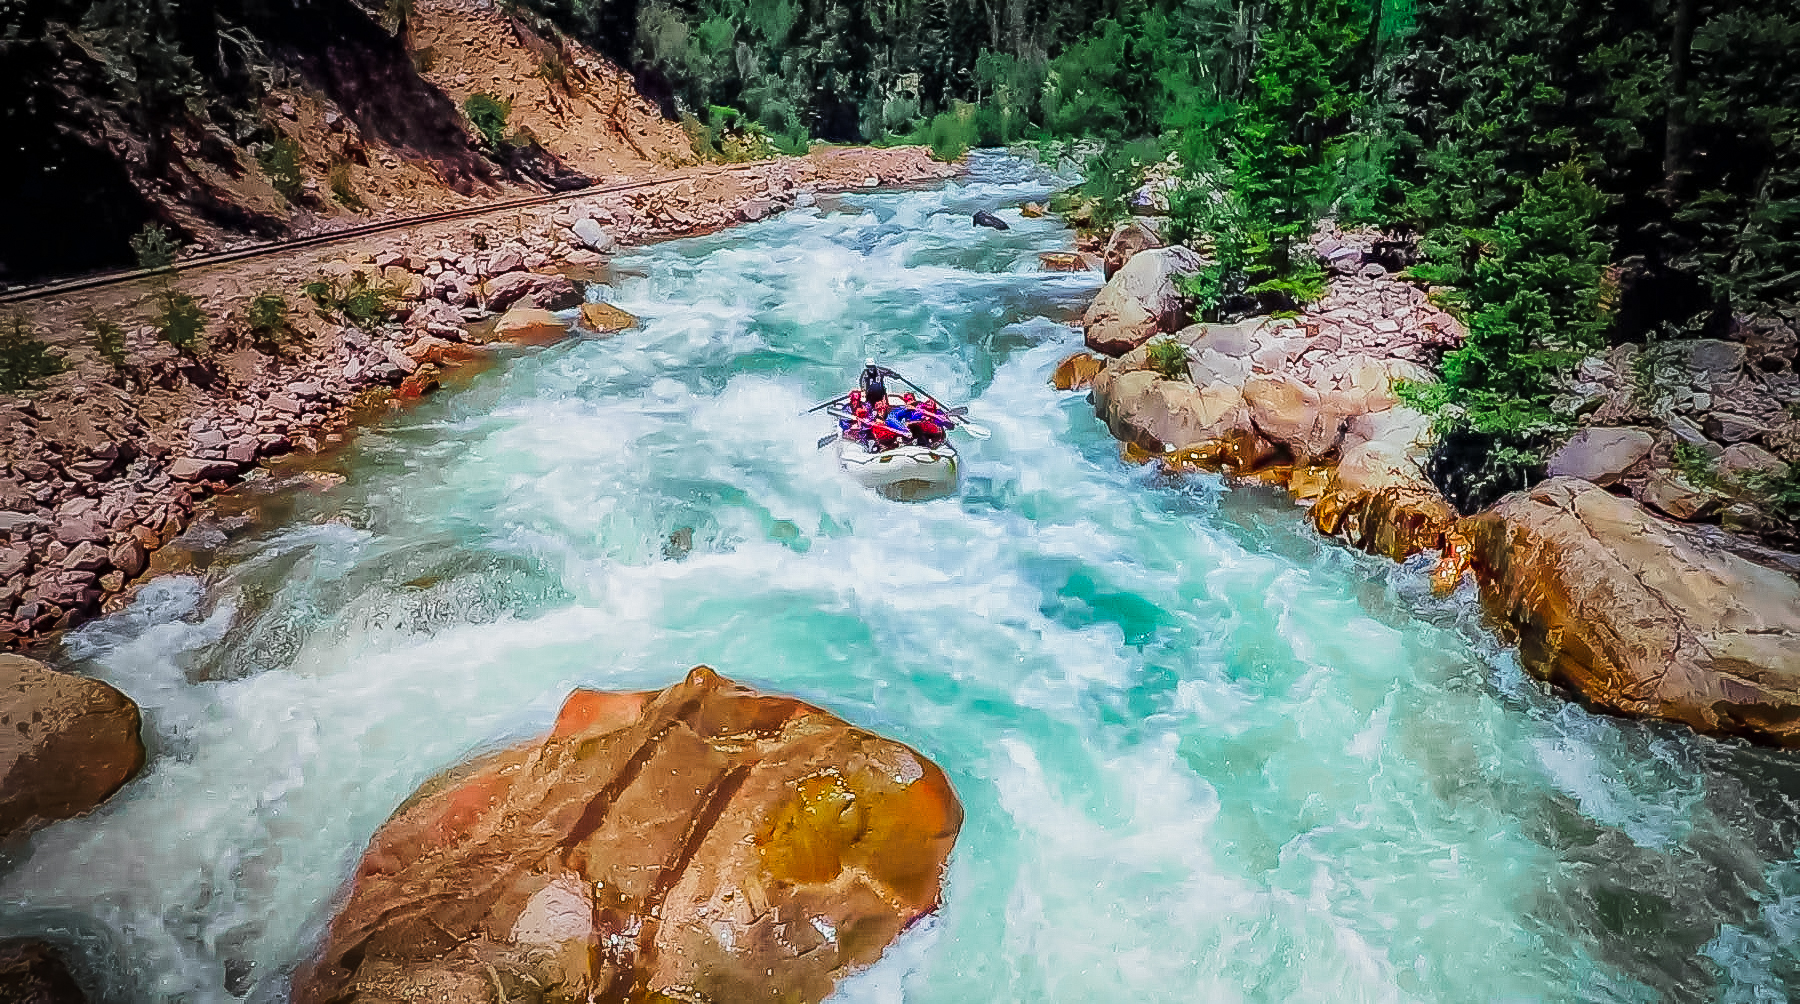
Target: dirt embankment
point(308, 118)
point(102, 465)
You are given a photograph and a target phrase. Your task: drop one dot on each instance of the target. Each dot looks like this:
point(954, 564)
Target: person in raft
point(876, 420)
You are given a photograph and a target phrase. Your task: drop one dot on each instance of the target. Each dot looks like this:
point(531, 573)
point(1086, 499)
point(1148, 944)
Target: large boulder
point(1160, 415)
point(66, 743)
point(1632, 612)
point(1140, 300)
point(699, 843)
point(1601, 455)
point(548, 292)
point(1077, 371)
point(1125, 242)
point(1379, 500)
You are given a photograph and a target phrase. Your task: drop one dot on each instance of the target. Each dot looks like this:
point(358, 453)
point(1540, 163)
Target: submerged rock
point(529, 325)
point(606, 318)
point(983, 218)
point(66, 743)
point(699, 843)
point(1629, 610)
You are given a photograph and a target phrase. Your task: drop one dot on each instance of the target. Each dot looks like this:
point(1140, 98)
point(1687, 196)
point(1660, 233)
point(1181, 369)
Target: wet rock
point(1161, 415)
point(1380, 501)
point(1139, 301)
point(1077, 371)
point(200, 469)
point(66, 743)
point(529, 325)
point(704, 842)
point(1628, 610)
point(606, 318)
point(33, 972)
point(983, 218)
point(1601, 455)
point(751, 210)
point(1062, 261)
point(1031, 210)
point(548, 292)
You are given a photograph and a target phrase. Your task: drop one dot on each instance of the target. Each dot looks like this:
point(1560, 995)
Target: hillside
point(233, 122)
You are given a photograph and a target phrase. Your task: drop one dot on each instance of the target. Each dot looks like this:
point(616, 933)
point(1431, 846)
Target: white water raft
point(904, 471)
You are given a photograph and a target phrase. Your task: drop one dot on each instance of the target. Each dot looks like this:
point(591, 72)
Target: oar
point(826, 404)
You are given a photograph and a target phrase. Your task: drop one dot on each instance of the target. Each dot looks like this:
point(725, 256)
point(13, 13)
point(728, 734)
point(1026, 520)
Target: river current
point(1205, 755)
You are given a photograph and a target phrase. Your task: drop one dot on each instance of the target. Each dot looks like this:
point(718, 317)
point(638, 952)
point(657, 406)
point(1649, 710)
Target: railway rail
point(24, 294)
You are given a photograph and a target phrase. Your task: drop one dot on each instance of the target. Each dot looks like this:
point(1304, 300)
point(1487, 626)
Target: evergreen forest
point(1573, 173)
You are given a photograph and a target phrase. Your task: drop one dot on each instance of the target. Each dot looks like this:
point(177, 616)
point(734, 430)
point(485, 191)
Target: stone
point(606, 318)
point(66, 743)
point(399, 359)
point(592, 235)
point(75, 531)
point(1031, 210)
point(286, 402)
point(1601, 455)
point(1077, 371)
point(33, 972)
point(1637, 615)
point(1714, 358)
point(1742, 459)
point(87, 556)
point(1159, 415)
point(1671, 494)
point(983, 218)
point(1728, 428)
point(529, 325)
point(705, 842)
point(1140, 300)
point(129, 557)
point(1287, 411)
point(505, 260)
point(1125, 242)
point(752, 210)
point(242, 451)
point(200, 469)
point(1380, 501)
point(550, 292)
point(1690, 434)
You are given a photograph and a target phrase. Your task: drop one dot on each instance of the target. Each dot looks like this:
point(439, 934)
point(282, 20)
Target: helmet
point(907, 397)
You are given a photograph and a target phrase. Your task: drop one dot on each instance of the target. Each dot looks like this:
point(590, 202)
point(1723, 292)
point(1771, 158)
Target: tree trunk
point(1675, 126)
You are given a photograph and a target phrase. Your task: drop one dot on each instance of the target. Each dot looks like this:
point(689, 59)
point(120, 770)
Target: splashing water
point(1205, 756)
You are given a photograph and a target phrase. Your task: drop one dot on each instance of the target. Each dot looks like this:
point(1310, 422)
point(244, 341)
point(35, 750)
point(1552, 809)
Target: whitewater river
point(1205, 755)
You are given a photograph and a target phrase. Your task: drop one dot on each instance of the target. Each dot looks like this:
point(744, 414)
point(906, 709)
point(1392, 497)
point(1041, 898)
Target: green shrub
point(24, 359)
point(108, 340)
point(1779, 492)
point(488, 114)
point(280, 161)
point(363, 303)
point(1536, 307)
point(952, 133)
point(342, 189)
point(153, 247)
point(1169, 358)
point(268, 320)
point(179, 320)
point(554, 71)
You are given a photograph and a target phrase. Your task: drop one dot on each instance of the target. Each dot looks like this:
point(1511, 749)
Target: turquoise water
point(1205, 755)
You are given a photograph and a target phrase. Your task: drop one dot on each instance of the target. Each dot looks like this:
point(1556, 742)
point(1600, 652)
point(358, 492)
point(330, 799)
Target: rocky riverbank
point(104, 463)
point(1611, 594)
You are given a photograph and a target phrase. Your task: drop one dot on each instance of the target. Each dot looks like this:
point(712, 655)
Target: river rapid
point(1205, 755)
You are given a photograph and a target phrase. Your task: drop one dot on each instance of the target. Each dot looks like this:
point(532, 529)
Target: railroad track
point(96, 281)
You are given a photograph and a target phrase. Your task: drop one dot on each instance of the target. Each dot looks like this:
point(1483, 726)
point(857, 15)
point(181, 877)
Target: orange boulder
point(701, 843)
